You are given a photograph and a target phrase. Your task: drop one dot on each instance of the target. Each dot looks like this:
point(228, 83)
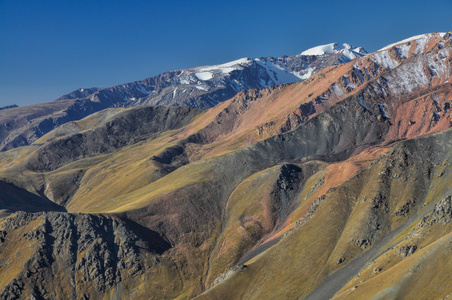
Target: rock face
point(70, 252)
point(345, 175)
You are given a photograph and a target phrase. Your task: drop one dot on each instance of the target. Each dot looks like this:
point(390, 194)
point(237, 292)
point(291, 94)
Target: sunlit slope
point(256, 210)
point(65, 256)
point(367, 223)
point(308, 185)
point(340, 138)
point(171, 205)
point(398, 89)
point(57, 167)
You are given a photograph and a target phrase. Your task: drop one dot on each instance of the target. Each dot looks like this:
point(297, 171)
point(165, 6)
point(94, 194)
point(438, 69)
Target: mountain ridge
point(345, 175)
point(201, 87)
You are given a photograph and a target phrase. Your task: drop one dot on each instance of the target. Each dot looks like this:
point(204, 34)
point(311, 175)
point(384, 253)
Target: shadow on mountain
point(152, 240)
point(13, 198)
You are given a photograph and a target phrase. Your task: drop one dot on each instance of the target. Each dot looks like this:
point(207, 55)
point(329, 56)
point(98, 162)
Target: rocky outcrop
point(75, 256)
point(442, 213)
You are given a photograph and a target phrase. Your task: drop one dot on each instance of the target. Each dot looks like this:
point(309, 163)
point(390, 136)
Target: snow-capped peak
point(208, 72)
point(347, 46)
point(360, 50)
point(413, 38)
point(227, 67)
point(332, 48)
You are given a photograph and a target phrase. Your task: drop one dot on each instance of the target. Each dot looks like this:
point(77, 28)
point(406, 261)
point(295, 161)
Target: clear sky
point(51, 47)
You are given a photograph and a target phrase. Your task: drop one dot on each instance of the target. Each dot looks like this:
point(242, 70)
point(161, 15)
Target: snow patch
point(349, 54)
point(404, 50)
point(202, 88)
point(347, 50)
point(143, 90)
point(277, 75)
point(337, 91)
point(384, 59)
point(227, 67)
point(409, 78)
point(204, 75)
point(360, 50)
point(184, 80)
point(322, 49)
point(305, 74)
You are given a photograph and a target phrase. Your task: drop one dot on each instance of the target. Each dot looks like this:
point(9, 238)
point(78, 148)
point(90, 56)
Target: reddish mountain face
point(334, 187)
point(200, 87)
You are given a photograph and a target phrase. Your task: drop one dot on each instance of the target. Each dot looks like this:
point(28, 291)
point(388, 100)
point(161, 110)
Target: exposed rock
point(442, 213)
point(407, 250)
point(311, 211)
point(405, 209)
point(186, 87)
point(89, 251)
point(84, 256)
point(341, 260)
point(224, 276)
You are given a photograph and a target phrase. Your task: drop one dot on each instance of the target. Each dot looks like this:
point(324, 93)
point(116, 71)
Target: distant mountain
point(8, 106)
point(206, 86)
point(200, 87)
point(337, 187)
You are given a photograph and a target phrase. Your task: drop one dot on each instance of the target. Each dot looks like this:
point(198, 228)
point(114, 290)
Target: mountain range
point(201, 87)
point(324, 175)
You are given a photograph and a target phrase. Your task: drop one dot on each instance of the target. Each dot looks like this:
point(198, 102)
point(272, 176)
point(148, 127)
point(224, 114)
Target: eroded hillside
point(338, 186)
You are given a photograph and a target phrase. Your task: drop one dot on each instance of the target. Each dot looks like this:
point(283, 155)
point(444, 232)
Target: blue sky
point(49, 48)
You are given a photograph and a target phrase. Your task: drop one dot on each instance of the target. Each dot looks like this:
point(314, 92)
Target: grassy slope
point(351, 214)
point(120, 165)
point(356, 214)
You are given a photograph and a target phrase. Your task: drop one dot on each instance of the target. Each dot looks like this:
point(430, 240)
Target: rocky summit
point(323, 175)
